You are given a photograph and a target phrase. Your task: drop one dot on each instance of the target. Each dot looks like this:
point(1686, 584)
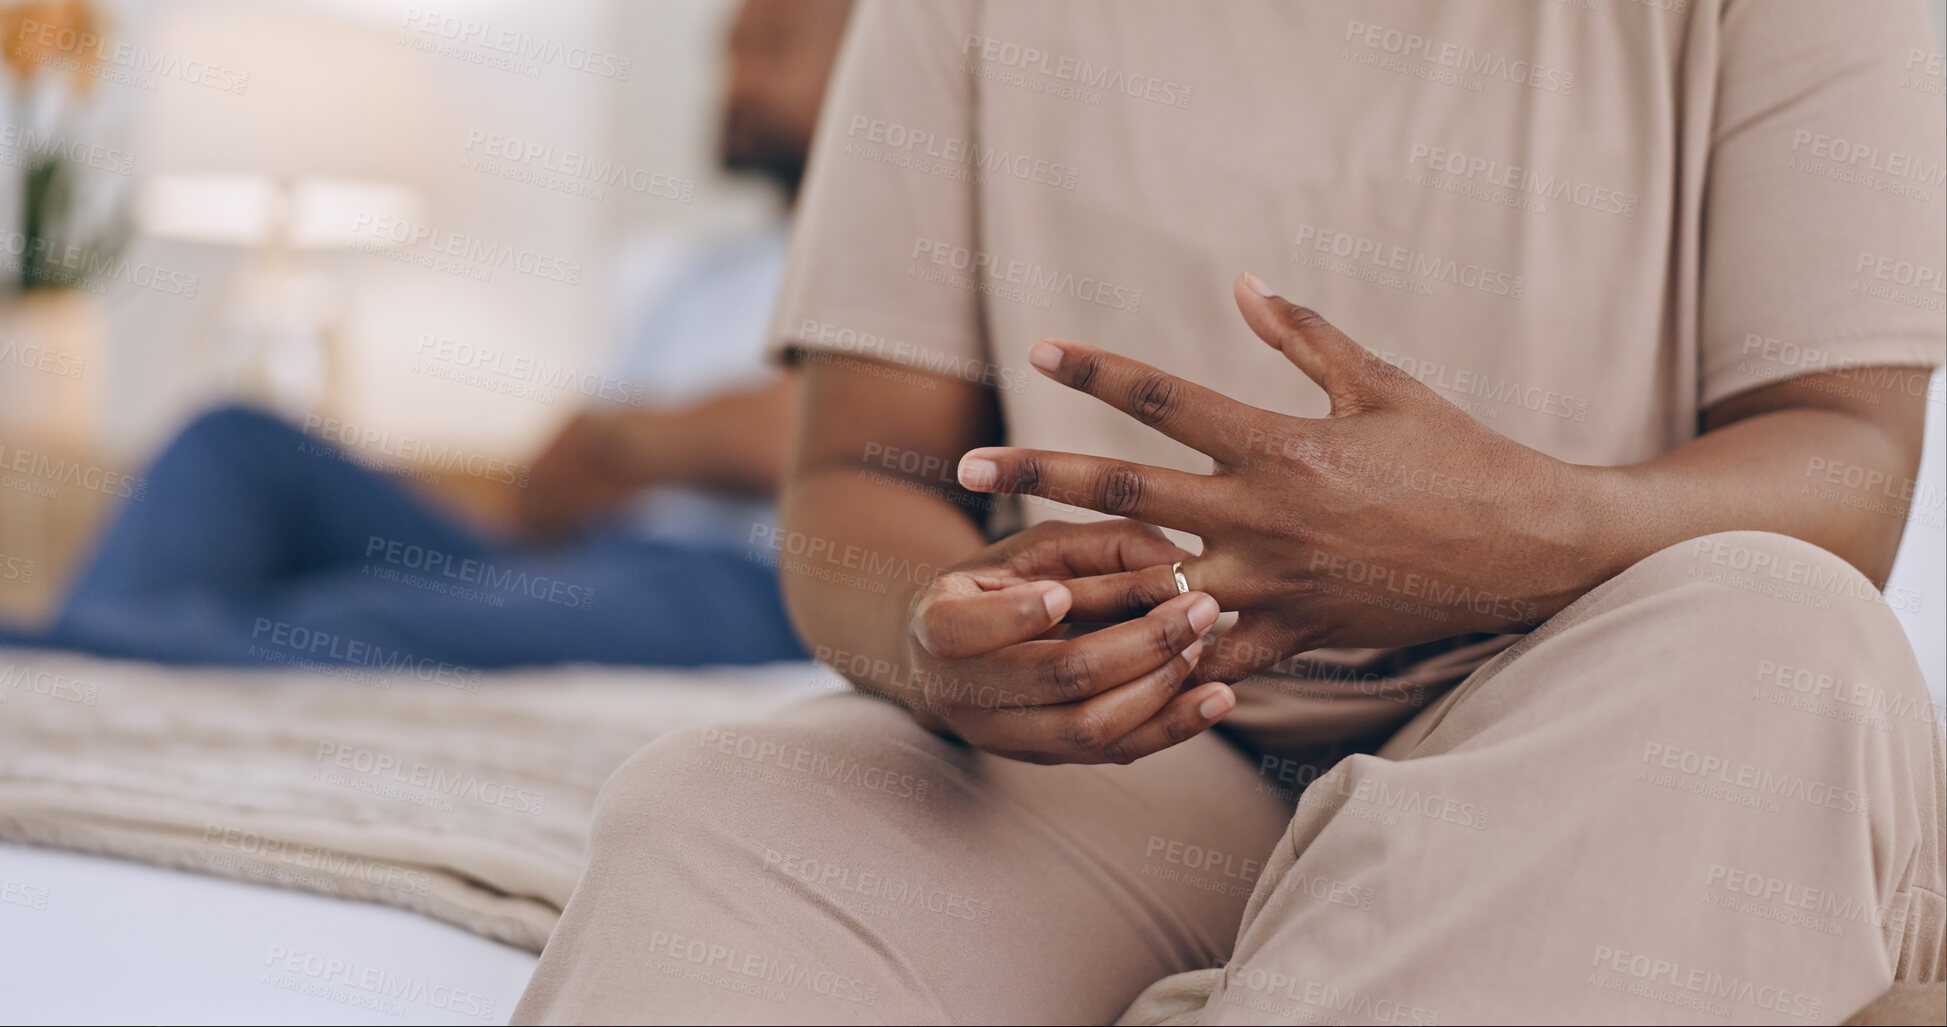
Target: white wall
point(311, 56)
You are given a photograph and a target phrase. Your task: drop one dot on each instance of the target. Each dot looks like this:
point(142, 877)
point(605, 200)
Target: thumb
point(1340, 366)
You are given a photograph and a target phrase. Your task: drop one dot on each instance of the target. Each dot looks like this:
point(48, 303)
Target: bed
point(437, 830)
point(348, 863)
point(89, 939)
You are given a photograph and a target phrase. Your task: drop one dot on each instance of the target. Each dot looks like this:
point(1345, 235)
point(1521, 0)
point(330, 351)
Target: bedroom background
point(539, 162)
point(422, 261)
point(465, 127)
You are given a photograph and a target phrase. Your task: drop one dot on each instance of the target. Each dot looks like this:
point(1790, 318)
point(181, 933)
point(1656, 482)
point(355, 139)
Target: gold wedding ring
point(1182, 583)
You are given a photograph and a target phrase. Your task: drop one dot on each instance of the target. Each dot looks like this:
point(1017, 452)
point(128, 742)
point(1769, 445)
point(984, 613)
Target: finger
point(1077, 732)
point(1186, 716)
point(1075, 669)
point(1258, 641)
point(1088, 731)
point(1073, 549)
point(1351, 376)
point(1203, 419)
point(1112, 598)
point(1174, 499)
point(1109, 598)
point(958, 619)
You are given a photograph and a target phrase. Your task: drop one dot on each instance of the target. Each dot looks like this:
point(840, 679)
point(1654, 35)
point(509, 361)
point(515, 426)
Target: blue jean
point(255, 543)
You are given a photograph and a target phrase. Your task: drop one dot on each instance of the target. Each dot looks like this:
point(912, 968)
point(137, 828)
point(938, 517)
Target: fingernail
point(1203, 613)
point(1055, 599)
point(1195, 650)
point(979, 473)
point(1045, 355)
point(1257, 285)
point(1217, 705)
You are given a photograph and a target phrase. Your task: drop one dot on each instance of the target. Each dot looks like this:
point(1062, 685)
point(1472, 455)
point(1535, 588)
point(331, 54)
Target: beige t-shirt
point(1581, 221)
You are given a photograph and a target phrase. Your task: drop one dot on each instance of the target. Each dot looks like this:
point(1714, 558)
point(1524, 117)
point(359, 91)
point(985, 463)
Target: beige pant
point(1709, 791)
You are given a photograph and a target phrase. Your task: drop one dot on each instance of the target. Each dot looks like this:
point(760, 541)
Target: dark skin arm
point(1399, 519)
point(968, 636)
point(897, 587)
point(733, 443)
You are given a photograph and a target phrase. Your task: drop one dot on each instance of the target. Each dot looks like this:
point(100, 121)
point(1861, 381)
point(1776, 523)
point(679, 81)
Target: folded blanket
point(462, 796)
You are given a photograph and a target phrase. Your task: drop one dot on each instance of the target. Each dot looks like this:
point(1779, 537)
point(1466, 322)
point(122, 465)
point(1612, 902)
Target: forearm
point(1821, 473)
point(736, 442)
point(862, 535)
point(855, 551)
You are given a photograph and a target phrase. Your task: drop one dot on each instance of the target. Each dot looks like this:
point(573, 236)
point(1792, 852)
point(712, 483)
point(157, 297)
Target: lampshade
point(251, 209)
point(311, 94)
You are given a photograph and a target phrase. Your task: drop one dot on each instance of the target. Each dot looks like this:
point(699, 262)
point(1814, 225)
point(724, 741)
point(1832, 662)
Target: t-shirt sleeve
point(1825, 226)
point(886, 197)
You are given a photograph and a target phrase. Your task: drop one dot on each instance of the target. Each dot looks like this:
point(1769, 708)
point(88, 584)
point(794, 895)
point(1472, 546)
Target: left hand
point(1396, 519)
point(581, 474)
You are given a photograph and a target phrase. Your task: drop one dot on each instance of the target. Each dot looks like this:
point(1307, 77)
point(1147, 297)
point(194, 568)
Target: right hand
point(575, 479)
point(984, 641)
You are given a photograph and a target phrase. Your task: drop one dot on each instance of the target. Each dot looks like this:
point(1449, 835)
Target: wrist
point(1583, 534)
point(636, 448)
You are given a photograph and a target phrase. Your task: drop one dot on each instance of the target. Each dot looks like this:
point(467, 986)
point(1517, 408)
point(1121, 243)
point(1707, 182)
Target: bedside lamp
point(272, 333)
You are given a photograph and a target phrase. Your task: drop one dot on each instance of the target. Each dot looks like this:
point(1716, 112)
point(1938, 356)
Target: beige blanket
point(466, 800)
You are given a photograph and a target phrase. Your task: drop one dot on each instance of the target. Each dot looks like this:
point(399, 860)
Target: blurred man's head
point(781, 54)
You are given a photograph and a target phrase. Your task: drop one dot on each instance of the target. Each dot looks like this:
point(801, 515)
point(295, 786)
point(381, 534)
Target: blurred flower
point(62, 246)
point(34, 34)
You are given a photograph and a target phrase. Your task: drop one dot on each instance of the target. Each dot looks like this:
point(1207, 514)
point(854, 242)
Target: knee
point(836, 757)
point(224, 427)
point(677, 771)
point(1758, 578)
point(1779, 620)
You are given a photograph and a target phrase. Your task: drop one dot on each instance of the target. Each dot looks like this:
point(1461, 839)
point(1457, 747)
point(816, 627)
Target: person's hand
point(990, 665)
point(580, 475)
point(1395, 520)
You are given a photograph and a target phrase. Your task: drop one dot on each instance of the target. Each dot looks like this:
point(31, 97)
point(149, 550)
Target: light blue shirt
point(704, 334)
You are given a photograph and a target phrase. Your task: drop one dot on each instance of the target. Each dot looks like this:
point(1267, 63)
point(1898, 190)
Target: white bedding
point(87, 939)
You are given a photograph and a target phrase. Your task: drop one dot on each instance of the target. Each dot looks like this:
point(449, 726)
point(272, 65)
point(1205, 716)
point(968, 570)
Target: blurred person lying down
point(1470, 687)
point(642, 533)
